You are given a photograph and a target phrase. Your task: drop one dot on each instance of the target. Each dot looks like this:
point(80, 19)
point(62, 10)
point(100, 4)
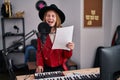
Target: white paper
point(63, 36)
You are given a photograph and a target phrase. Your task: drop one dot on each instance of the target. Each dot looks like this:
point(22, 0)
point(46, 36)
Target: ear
point(40, 4)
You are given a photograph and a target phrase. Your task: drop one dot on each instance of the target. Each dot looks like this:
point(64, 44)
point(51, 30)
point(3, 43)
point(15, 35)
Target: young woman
point(48, 59)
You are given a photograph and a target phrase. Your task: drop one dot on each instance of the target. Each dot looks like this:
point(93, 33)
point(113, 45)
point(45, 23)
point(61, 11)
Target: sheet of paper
point(63, 36)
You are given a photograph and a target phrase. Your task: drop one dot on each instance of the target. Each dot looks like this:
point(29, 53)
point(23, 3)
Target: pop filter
point(44, 29)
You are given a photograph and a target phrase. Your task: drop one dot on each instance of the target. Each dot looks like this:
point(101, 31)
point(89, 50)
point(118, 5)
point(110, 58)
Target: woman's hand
point(70, 45)
point(39, 69)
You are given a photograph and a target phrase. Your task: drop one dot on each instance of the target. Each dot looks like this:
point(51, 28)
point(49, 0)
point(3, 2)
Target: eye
point(47, 15)
point(53, 16)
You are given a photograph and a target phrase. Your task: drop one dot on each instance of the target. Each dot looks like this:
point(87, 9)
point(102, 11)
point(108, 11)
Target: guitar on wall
point(6, 9)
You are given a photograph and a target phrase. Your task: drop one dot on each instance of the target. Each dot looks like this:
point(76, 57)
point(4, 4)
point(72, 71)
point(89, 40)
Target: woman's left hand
point(70, 45)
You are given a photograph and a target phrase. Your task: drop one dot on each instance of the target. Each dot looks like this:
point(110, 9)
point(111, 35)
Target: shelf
point(12, 34)
point(5, 20)
point(13, 18)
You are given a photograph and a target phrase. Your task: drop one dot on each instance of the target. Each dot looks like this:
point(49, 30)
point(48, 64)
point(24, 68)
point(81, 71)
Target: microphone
point(44, 29)
point(15, 27)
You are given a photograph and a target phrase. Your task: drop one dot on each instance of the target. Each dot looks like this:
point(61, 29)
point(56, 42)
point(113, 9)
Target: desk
point(81, 71)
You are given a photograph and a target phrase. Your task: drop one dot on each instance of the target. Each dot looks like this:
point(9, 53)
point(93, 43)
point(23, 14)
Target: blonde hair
point(58, 20)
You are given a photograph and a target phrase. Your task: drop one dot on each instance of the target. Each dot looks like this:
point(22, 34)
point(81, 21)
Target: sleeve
point(39, 55)
point(67, 54)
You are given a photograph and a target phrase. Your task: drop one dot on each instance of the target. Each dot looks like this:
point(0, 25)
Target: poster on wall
point(92, 13)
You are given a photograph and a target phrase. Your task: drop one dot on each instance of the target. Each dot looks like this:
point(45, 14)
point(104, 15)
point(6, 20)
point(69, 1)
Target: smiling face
point(50, 18)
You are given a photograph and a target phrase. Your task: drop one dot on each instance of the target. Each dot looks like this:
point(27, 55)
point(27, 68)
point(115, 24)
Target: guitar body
point(6, 9)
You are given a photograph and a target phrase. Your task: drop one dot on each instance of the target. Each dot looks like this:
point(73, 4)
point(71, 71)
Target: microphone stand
point(8, 63)
point(21, 40)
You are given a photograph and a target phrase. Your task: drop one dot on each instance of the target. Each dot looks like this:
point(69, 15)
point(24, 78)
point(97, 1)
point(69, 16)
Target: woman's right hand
point(39, 69)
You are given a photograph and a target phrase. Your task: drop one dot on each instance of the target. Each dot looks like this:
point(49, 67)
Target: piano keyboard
point(48, 74)
point(74, 77)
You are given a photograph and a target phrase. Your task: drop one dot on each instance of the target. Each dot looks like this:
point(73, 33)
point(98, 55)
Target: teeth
point(50, 21)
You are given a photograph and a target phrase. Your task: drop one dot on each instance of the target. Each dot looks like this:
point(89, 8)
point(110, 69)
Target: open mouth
point(50, 22)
